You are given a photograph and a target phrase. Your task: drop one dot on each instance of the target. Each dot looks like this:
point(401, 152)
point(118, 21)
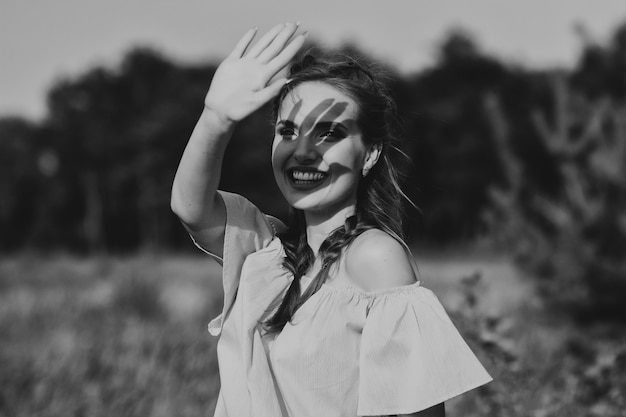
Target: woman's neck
point(320, 224)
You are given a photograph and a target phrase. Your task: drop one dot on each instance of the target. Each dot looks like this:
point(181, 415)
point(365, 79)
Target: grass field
point(127, 337)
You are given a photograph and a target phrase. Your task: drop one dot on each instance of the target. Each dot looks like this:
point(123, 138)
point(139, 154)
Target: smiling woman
point(318, 159)
point(324, 316)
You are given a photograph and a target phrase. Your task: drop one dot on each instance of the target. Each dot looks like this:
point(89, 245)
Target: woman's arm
point(194, 193)
point(240, 86)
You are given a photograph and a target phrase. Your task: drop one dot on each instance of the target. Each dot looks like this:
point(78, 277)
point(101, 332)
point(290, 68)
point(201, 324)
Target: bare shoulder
point(376, 261)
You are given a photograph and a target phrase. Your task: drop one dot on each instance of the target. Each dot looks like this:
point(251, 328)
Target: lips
point(306, 178)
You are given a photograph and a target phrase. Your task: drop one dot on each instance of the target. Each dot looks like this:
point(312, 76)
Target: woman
point(324, 317)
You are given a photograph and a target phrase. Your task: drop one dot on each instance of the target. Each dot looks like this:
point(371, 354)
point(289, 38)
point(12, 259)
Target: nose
point(306, 151)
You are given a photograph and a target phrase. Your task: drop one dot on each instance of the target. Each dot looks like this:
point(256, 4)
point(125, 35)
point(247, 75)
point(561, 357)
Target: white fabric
point(346, 352)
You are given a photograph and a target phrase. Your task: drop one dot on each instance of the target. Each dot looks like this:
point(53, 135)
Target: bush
point(573, 238)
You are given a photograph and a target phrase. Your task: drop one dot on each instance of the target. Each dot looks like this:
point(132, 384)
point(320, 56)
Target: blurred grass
point(107, 337)
point(127, 337)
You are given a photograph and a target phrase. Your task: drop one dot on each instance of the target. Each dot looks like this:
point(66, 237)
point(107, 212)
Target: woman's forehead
point(319, 100)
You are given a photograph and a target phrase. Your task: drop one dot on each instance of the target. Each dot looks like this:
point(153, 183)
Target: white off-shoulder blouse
point(346, 353)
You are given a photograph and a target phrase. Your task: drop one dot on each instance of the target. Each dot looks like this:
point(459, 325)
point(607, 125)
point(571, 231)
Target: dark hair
point(379, 196)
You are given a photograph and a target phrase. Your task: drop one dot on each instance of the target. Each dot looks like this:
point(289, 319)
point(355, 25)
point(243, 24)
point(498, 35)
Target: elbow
point(194, 214)
point(175, 204)
point(184, 212)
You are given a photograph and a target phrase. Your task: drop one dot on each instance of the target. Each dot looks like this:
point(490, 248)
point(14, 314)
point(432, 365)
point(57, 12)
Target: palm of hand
point(241, 83)
point(233, 86)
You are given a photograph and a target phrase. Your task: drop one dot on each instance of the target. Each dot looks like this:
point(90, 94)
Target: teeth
point(307, 176)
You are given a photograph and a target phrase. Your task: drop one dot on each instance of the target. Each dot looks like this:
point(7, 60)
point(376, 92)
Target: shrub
point(574, 239)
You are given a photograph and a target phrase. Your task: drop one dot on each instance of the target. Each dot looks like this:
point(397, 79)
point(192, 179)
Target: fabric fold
point(412, 356)
point(247, 231)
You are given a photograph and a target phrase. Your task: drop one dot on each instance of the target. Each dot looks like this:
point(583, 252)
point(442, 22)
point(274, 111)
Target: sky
point(42, 42)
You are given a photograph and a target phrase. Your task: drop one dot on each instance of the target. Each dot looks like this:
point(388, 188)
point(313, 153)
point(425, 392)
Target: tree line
point(95, 174)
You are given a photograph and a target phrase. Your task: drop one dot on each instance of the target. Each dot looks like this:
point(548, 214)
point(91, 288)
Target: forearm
point(194, 191)
point(239, 87)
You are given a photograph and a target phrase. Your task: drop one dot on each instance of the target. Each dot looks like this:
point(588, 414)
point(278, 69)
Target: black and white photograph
point(313, 209)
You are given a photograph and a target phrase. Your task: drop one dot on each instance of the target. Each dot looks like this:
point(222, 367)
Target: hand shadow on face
point(326, 115)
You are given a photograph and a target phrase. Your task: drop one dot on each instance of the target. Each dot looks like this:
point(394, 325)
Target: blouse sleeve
point(247, 231)
point(412, 357)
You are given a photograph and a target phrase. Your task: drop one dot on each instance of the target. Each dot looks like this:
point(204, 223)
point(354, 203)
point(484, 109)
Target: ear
point(371, 157)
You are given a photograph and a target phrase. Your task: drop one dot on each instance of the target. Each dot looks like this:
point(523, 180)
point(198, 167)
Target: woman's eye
point(286, 132)
point(332, 135)
point(329, 134)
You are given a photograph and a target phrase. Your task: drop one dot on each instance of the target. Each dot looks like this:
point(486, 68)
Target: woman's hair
point(379, 196)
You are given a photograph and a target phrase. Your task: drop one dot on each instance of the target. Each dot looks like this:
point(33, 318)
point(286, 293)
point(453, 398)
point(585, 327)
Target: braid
point(299, 258)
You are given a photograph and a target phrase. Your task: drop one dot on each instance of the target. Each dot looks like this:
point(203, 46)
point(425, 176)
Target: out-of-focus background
point(514, 116)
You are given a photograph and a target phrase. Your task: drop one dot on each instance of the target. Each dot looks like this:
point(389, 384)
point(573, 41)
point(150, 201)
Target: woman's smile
point(303, 178)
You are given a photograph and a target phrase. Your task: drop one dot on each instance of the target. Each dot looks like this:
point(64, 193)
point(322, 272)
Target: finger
point(265, 40)
point(243, 44)
point(278, 43)
point(271, 91)
point(286, 55)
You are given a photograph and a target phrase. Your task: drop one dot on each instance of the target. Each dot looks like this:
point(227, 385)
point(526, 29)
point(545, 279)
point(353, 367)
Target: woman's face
point(318, 151)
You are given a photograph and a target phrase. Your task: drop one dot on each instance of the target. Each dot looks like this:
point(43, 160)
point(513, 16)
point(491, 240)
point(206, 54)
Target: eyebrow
point(319, 125)
point(285, 123)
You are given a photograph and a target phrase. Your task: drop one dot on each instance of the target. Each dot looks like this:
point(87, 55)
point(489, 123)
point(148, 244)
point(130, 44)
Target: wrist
point(216, 121)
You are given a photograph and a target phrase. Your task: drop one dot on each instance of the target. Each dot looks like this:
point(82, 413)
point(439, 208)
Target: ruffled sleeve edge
point(412, 355)
point(275, 224)
point(241, 216)
point(218, 258)
point(426, 404)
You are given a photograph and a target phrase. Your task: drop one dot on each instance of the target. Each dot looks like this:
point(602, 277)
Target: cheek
point(350, 157)
point(279, 153)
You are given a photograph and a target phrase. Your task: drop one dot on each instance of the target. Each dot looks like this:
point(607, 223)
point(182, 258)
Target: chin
point(325, 207)
point(306, 204)
point(327, 200)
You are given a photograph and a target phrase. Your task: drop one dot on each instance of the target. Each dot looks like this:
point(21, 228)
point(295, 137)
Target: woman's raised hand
point(241, 83)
